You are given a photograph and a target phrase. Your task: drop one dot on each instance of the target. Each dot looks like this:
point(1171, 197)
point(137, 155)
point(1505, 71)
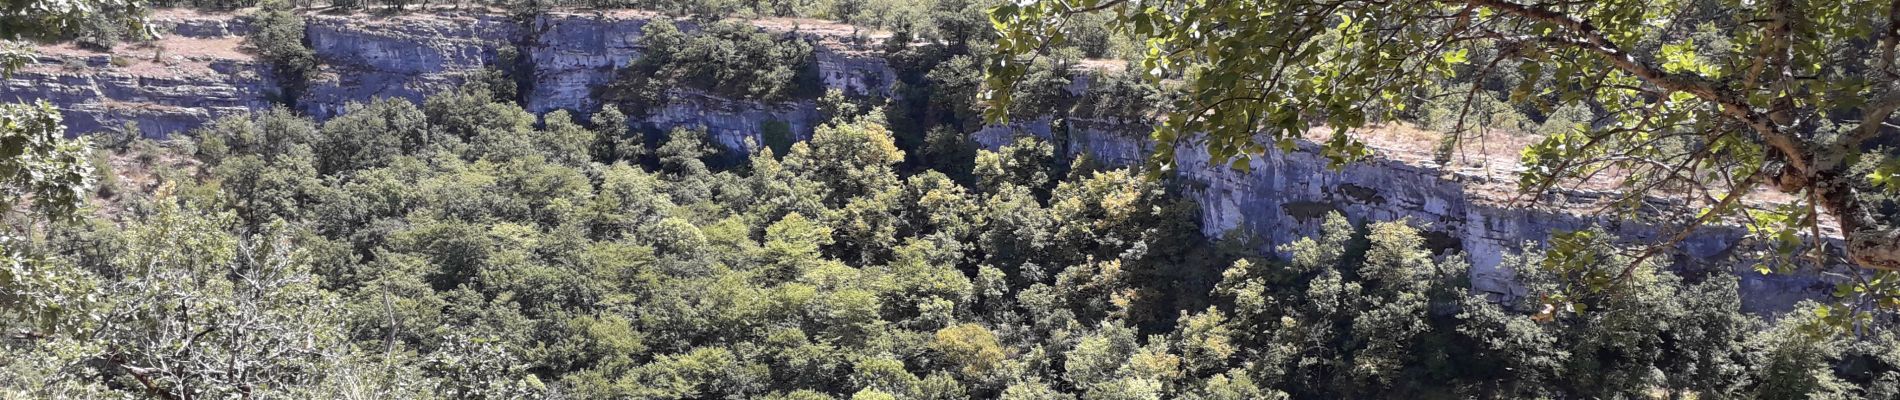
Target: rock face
point(159, 105)
point(572, 55)
point(176, 88)
point(732, 124)
point(1286, 194)
point(404, 57)
point(566, 56)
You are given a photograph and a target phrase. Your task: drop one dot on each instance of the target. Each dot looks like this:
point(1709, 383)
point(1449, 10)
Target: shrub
point(108, 186)
point(778, 136)
point(726, 59)
point(1125, 95)
point(279, 41)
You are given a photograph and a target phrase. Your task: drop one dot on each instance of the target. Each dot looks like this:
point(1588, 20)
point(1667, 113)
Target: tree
point(1716, 97)
point(371, 135)
point(563, 141)
point(278, 40)
point(37, 160)
point(34, 20)
point(852, 160)
point(266, 163)
point(40, 293)
point(626, 202)
point(614, 139)
point(1367, 293)
point(199, 312)
point(683, 163)
point(1029, 163)
point(35, 156)
point(437, 271)
point(728, 59)
point(471, 115)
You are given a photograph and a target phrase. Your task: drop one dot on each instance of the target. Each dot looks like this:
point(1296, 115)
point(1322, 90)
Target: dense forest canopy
point(463, 252)
point(462, 247)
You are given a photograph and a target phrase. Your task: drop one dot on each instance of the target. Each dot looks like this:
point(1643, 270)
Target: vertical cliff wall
point(1285, 195)
point(567, 56)
point(572, 55)
point(409, 56)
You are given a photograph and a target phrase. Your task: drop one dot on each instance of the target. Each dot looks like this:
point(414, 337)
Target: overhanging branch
point(1867, 244)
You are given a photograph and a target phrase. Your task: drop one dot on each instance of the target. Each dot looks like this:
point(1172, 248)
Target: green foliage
point(728, 59)
point(1887, 176)
point(778, 136)
point(37, 161)
point(504, 76)
point(852, 160)
point(457, 250)
point(471, 116)
point(970, 346)
point(278, 39)
point(13, 56)
point(97, 23)
point(371, 136)
point(614, 138)
point(1119, 95)
point(1029, 163)
point(953, 85)
point(564, 141)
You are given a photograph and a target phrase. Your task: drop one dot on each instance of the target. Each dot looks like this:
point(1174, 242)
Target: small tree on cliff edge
point(1712, 98)
point(279, 40)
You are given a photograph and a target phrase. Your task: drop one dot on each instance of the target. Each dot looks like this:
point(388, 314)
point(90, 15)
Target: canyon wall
point(199, 71)
point(199, 77)
point(408, 56)
point(567, 55)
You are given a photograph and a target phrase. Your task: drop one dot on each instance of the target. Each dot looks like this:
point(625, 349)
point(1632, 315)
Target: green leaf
point(1454, 57)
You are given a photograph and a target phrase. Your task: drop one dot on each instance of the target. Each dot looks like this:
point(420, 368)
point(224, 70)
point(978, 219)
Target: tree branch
point(1868, 246)
point(1889, 41)
point(1729, 200)
point(1588, 38)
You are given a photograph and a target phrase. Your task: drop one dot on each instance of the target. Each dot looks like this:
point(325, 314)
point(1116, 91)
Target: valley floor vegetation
point(465, 248)
point(461, 249)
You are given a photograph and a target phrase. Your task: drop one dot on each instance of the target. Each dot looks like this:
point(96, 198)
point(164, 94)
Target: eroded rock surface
point(190, 77)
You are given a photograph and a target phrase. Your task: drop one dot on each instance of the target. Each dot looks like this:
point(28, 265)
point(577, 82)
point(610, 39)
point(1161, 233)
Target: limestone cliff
point(408, 56)
point(199, 71)
point(194, 77)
